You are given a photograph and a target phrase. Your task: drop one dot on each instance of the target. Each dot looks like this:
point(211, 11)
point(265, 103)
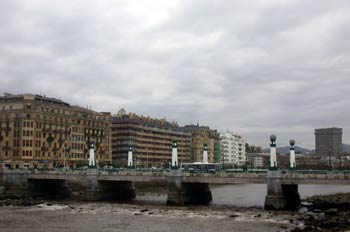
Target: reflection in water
point(243, 195)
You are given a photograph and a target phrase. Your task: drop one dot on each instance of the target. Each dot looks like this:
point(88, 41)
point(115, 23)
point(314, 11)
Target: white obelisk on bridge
point(130, 163)
point(273, 157)
point(92, 162)
point(174, 159)
point(292, 164)
point(205, 154)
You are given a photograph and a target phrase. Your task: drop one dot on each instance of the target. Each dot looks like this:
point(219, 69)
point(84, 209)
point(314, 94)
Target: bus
point(199, 167)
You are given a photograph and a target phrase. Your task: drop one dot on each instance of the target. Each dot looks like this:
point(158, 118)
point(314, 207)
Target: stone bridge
point(183, 187)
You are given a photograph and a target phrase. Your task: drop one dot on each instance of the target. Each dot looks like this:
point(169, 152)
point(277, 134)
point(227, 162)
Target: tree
point(79, 164)
point(102, 163)
point(252, 148)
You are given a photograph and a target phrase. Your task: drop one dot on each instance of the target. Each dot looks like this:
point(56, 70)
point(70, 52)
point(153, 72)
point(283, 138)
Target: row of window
point(30, 124)
point(5, 107)
point(27, 133)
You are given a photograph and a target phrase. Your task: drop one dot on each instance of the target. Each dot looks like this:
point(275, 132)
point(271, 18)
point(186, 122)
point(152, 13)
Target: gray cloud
point(256, 68)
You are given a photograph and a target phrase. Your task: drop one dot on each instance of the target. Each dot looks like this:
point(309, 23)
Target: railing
point(227, 172)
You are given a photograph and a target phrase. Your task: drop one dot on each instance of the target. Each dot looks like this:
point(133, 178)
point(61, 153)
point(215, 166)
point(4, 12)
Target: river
point(242, 195)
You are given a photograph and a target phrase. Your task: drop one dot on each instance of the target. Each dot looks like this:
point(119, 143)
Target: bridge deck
point(329, 178)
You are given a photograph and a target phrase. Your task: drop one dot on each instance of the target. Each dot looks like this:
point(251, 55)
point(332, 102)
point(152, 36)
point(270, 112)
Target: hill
point(345, 148)
point(285, 150)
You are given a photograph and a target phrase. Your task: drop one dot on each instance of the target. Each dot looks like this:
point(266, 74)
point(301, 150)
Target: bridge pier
point(107, 190)
point(180, 193)
point(14, 184)
point(91, 184)
point(280, 196)
point(175, 192)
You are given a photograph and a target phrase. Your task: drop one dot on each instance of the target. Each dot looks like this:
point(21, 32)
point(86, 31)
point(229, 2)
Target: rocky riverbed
point(78, 216)
point(326, 213)
point(318, 213)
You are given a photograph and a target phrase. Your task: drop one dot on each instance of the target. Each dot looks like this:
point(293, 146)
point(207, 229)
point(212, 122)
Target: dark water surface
point(243, 195)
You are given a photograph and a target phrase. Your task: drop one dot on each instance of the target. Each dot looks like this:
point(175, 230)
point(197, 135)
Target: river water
point(243, 195)
point(231, 210)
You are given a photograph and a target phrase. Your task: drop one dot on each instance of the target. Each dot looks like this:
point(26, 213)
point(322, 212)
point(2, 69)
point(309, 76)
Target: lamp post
point(329, 159)
point(246, 164)
point(67, 150)
point(147, 157)
point(223, 160)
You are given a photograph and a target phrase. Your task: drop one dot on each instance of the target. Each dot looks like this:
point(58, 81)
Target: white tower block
point(130, 163)
point(292, 164)
point(273, 158)
point(205, 154)
point(92, 162)
point(174, 160)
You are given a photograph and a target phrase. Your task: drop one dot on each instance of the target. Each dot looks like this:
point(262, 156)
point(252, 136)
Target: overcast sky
point(253, 67)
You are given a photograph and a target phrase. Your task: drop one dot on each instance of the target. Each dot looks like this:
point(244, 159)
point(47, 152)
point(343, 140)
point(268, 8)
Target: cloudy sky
point(254, 67)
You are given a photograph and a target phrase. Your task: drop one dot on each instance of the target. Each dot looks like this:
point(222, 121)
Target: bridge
point(183, 187)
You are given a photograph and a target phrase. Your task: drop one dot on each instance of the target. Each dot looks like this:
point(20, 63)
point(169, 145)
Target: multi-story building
point(38, 131)
point(328, 142)
point(204, 135)
point(151, 140)
point(258, 160)
point(232, 148)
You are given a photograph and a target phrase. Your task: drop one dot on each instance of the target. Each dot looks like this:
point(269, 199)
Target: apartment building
point(201, 135)
point(233, 148)
point(150, 138)
point(38, 131)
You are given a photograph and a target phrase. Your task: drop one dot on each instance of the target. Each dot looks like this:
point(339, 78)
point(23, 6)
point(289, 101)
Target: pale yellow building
point(202, 135)
point(38, 131)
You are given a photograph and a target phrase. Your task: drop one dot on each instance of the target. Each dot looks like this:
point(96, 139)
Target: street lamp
point(246, 164)
point(67, 150)
point(146, 157)
point(329, 159)
point(223, 160)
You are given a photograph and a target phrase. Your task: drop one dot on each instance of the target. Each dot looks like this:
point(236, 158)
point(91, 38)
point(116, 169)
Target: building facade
point(201, 135)
point(328, 142)
point(151, 140)
point(37, 131)
point(233, 148)
point(258, 160)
